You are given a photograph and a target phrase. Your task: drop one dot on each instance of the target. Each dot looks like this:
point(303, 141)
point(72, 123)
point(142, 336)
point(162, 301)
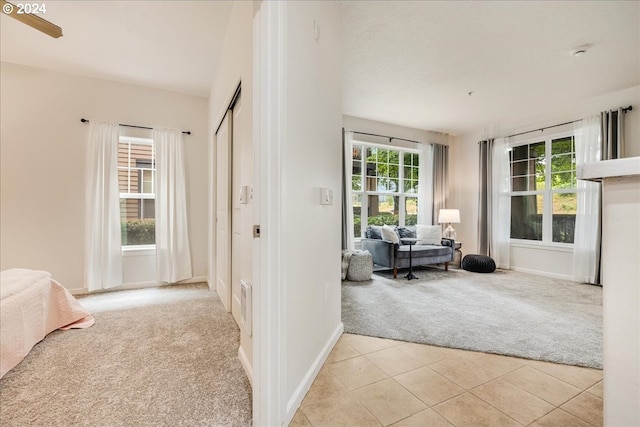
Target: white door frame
point(270, 315)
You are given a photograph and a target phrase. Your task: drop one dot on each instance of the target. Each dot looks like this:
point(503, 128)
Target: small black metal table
point(458, 249)
point(410, 241)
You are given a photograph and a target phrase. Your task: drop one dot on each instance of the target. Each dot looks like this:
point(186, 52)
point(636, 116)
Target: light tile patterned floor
point(373, 381)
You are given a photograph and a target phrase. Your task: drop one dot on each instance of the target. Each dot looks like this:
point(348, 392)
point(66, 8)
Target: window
point(136, 179)
point(543, 190)
point(384, 186)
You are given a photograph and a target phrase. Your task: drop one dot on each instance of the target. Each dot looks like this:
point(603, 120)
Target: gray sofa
point(395, 256)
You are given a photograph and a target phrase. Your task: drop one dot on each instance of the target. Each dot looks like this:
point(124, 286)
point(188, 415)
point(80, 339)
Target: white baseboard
point(542, 273)
point(307, 381)
point(125, 287)
point(139, 285)
point(248, 369)
point(197, 279)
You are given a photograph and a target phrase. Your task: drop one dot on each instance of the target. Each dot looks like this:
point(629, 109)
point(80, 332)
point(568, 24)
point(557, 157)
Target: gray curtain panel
point(345, 194)
point(612, 134)
point(440, 179)
point(612, 147)
point(484, 199)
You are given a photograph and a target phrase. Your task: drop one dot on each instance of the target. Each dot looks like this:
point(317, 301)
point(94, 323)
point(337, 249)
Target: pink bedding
point(33, 304)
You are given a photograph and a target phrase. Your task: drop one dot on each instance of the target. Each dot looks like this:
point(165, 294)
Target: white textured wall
point(311, 159)
point(236, 66)
point(43, 155)
point(464, 171)
point(621, 300)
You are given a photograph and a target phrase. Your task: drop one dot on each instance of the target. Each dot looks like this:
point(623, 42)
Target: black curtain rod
point(186, 132)
point(391, 138)
point(624, 110)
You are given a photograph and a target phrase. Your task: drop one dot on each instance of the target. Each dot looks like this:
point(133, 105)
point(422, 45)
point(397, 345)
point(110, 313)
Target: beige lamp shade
point(449, 216)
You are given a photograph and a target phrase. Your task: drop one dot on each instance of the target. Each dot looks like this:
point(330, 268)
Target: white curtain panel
point(173, 257)
point(348, 201)
point(425, 185)
point(103, 252)
point(499, 248)
point(586, 245)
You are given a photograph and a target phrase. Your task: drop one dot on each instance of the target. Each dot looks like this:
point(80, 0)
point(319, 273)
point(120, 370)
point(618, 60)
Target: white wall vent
point(245, 306)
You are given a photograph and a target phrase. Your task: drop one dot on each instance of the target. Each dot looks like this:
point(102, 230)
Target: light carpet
point(164, 356)
point(505, 312)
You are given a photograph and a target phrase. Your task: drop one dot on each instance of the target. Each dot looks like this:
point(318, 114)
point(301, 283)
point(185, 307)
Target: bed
point(33, 304)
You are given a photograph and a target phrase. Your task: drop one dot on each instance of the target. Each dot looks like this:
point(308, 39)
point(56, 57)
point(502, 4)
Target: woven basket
point(360, 266)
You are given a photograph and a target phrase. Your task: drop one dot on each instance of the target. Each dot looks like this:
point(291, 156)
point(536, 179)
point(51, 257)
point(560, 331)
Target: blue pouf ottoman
point(478, 263)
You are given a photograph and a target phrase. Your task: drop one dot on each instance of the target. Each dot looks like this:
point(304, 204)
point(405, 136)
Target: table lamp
point(449, 216)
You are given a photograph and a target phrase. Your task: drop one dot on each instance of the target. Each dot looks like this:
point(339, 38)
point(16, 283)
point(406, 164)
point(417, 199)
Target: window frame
point(141, 195)
point(547, 193)
point(401, 194)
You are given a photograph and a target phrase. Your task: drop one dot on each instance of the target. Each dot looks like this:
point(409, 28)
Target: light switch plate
point(246, 194)
point(326, 196)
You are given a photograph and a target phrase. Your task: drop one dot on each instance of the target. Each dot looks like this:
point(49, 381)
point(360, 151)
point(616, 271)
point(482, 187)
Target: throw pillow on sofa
point(429, 234)
point(373, 232)
point(389, 234)
point(405, 232)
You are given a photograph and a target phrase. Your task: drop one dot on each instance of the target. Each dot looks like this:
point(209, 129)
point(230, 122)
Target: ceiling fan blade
point(32, 20)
